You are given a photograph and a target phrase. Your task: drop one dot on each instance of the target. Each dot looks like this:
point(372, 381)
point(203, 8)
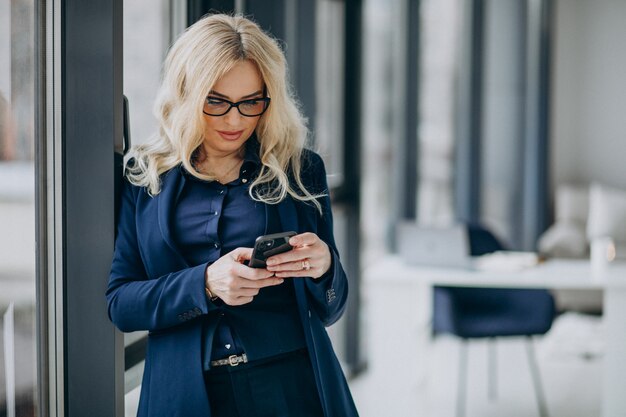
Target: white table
point(393, 274)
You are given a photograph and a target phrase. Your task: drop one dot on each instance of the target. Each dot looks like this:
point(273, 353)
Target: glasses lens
point(215, 106)
point(252, 107)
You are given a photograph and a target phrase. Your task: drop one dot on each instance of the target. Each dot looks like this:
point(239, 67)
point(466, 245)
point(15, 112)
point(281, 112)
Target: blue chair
point(471, 313)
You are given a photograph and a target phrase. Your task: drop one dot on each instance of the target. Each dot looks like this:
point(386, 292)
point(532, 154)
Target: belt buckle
point(232, 360)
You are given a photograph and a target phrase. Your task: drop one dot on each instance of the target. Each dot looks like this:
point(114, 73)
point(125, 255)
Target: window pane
point(329, 83)
point(18, 352)
point(146, 39)
point(440, 21)
point(382, 57)
point(502, 139)
point(149, 28)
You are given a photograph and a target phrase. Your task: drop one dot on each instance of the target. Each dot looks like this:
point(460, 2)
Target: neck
point(219, 159)
point(219, 164)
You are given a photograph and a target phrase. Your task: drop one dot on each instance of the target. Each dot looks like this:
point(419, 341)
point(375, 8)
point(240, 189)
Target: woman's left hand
point(310, 257)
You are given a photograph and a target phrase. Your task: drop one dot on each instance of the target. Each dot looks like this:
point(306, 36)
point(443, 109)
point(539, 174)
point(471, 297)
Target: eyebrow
point(215, 93)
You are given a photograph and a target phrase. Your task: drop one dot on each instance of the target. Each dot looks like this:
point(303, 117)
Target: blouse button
point(244, 180)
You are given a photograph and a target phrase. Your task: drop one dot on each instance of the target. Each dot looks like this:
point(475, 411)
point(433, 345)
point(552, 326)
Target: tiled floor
point(569, 360)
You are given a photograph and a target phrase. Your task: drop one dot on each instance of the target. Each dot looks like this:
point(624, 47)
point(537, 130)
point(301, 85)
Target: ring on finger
point(306, 265)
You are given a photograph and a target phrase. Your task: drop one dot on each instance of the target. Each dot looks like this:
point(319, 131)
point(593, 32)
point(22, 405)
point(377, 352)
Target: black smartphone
point(269, 245)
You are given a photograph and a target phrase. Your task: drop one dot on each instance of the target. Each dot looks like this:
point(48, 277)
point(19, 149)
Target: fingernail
point(271, 262)
point(280, 281)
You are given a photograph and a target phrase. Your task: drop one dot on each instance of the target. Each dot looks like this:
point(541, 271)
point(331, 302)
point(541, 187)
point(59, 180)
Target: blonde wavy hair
point(204, 53)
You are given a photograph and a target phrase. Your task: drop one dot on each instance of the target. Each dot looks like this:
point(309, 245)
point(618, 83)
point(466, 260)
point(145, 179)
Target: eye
point(215, 101)
point(251, 104)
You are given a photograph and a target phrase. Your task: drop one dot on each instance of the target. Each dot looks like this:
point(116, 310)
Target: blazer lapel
point(172, 185)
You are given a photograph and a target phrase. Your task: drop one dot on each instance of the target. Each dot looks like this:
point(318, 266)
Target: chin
point(220, 144)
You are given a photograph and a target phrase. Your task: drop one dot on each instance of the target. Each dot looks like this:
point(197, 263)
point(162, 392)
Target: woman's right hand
point(235, 283)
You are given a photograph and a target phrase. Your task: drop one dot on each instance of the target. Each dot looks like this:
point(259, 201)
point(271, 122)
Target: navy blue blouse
point(213, 219)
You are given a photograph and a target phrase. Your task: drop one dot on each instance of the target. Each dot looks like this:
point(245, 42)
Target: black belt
point(232, 360)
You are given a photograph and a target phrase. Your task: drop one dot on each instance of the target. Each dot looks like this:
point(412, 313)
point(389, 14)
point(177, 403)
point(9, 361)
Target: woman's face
point(225, 134)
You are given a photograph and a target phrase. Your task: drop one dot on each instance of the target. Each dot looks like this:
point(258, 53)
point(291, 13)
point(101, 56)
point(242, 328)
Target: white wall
point(589, 93)
point(5, 49)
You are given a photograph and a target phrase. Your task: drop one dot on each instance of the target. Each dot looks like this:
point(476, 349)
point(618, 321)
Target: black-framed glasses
point(214, 106)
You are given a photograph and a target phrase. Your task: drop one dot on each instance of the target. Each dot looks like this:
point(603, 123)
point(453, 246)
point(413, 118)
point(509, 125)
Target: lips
point(230, 135)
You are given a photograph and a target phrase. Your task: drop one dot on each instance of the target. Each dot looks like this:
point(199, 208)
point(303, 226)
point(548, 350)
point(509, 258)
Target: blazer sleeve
point(138, 302)
point(327, 294)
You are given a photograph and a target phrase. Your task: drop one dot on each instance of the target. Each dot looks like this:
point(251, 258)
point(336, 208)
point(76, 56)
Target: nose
point(233, 116)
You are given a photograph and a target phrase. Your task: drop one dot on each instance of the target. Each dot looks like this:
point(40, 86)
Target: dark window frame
point(90, 54)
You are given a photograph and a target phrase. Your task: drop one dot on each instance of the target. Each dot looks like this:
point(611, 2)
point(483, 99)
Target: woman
point(227, 166)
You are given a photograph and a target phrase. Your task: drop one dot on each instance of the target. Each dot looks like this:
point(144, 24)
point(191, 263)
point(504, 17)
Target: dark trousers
point(283, 386)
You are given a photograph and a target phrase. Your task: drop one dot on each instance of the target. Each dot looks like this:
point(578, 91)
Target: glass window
point(502, 138)
point(329, 84)
point(147, 37)
point(440, 22)
point(149, 29)
point(380, 57)
point(18, 348)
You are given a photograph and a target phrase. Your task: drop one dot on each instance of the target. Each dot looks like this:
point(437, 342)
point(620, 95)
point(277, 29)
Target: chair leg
point(492, 371)
point(534, 371)
point(462, 382)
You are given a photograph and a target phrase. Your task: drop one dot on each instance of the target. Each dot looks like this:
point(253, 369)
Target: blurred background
point(503, 113)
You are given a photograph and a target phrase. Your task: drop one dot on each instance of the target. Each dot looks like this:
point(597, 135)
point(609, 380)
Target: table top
point(554, 274)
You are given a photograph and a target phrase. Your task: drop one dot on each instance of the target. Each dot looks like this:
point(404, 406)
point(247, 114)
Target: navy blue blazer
point(151, 287)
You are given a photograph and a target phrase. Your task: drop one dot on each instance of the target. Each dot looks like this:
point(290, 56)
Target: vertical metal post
point(50, 209)
point(198, 8)
point(469, 124)
point(41, 197)
point(352, 167)
point(411, 148)
point(302, 69)
point(270, 15)
point(536, 173)
point(91, 103)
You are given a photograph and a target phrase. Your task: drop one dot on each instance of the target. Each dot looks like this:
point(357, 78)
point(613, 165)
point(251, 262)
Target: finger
point(288, 266)
point(304, 239)
point(236, 290)
point(244, 271)
point(294, 255)
point(299, 273)
point(260, 283)
point(241, 254)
